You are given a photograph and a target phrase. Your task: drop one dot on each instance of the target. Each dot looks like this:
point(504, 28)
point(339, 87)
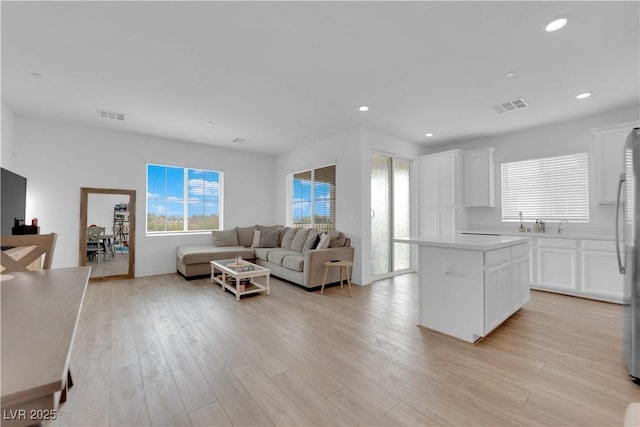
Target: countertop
point(467, 241)
point(552, 234)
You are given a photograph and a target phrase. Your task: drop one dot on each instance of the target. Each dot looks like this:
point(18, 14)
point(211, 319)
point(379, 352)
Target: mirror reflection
point(106, 242)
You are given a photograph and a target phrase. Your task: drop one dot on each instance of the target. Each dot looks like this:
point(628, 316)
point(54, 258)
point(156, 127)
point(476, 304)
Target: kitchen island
point(470, 284)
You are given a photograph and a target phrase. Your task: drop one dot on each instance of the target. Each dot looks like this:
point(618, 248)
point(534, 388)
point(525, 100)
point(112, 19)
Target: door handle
point(621, 268)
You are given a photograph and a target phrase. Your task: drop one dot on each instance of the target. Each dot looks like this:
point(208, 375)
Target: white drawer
point(497, 256)
point(599, 245)
point(518, 251)
point(557, 243)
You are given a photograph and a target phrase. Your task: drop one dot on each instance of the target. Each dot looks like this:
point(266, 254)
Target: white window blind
point(182, 199)
point(551, 189)
point(314, 198)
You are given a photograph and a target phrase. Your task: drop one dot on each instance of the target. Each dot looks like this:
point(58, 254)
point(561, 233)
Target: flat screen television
point(13, 199)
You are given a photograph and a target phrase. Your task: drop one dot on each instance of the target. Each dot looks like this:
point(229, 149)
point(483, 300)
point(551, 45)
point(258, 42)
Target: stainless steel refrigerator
point(627, 242)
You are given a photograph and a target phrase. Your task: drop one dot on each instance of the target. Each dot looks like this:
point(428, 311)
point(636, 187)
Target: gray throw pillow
point(338, 239)
point(225, 238)
point(269, 238)
point(287, 238)
point(298, 241)
point(312, 239)
point(245, 235)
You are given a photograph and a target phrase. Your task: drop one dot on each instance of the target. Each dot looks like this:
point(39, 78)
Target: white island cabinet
point(471, 284)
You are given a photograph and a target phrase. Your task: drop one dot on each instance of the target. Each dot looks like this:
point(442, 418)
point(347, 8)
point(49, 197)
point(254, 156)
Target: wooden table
point(232, 276)
point(344, 267)
point(40, 312)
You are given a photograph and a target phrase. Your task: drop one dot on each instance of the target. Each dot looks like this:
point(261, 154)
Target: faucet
point(560, 225)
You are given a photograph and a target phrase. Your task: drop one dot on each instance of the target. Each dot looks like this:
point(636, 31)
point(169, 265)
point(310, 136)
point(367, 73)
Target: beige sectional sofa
point(294, 254)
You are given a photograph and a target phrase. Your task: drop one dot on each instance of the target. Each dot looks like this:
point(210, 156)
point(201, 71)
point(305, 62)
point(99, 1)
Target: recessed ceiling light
point(208, 123)
point(555, 25)
point(584, 95)
point(429, 134)
point(363, 108)
point(510, 73)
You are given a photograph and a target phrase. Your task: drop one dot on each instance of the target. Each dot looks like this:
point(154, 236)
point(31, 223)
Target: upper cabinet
point(609, 144)
point(440, 193)
point(479, 178)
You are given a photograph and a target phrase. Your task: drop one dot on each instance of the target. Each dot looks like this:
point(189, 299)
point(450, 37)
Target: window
point(551, 189)
point(182, 199)
point(314, 198)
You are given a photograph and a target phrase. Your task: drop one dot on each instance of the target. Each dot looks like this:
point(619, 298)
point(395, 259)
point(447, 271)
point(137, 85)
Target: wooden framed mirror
point(107, 232)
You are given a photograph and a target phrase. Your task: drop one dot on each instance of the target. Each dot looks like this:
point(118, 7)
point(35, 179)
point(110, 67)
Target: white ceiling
point(283, 74)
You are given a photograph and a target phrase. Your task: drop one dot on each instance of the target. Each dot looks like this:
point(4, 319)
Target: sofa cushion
point(337, 239)
point(298, 241)
point(312, 239)
point(225, 238)
point(245, 235)
point(263, 253)
point(294, 262)
point(269, 238)
point(269, 227)
point(287, 238)
point(276, 256)
point(283, 231)
point(203, 254)
point(324, 241)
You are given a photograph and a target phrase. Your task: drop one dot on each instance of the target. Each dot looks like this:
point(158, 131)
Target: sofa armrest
point(314, 264)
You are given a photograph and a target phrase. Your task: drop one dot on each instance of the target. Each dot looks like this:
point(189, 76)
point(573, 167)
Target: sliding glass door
point(390, 214)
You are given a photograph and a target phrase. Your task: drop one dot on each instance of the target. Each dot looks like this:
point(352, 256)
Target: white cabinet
point(467, 291)
point(609, 142)
point(439, 193)
point(580, 267)
point(479, 178)
point(497, 295)
point(557, 263)
point(599, 269)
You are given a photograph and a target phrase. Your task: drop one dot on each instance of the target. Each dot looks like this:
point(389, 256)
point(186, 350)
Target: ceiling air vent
point(506, 107)
point(110, 115)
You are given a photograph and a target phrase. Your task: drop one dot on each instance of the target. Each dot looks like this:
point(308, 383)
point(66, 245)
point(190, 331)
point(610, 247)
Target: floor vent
point(110, 115)
point(506, 107)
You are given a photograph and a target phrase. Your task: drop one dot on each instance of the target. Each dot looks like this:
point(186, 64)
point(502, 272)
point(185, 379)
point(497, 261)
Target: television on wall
point(13, 199)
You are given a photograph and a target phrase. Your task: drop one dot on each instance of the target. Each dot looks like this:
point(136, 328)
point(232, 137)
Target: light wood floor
point(165, 351)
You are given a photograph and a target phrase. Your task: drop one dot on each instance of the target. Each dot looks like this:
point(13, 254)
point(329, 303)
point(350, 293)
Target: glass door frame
point(411, 268)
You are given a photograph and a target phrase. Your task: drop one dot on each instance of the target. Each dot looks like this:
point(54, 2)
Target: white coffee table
point(240, 278)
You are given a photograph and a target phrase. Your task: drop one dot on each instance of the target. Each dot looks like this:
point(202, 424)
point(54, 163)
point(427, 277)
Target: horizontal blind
point(324, 196)
point(314, 198)
point(551, 189)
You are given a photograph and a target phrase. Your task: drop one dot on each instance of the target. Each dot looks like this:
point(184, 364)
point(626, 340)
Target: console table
point(40, 312)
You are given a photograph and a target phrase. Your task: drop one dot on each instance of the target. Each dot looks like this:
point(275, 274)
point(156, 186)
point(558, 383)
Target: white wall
point(7, 142)
point(556, 139)
point(58, 158)
point(343, 150)
point(350, 151)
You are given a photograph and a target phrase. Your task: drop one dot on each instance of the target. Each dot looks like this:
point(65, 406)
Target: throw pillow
point(245, 235)
point(324, 241)
point(269, 238)
point(256, 239)
point(225, 238)
point(312, 239)
point(287, 239)
point(298, 241)
point(338, 239)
